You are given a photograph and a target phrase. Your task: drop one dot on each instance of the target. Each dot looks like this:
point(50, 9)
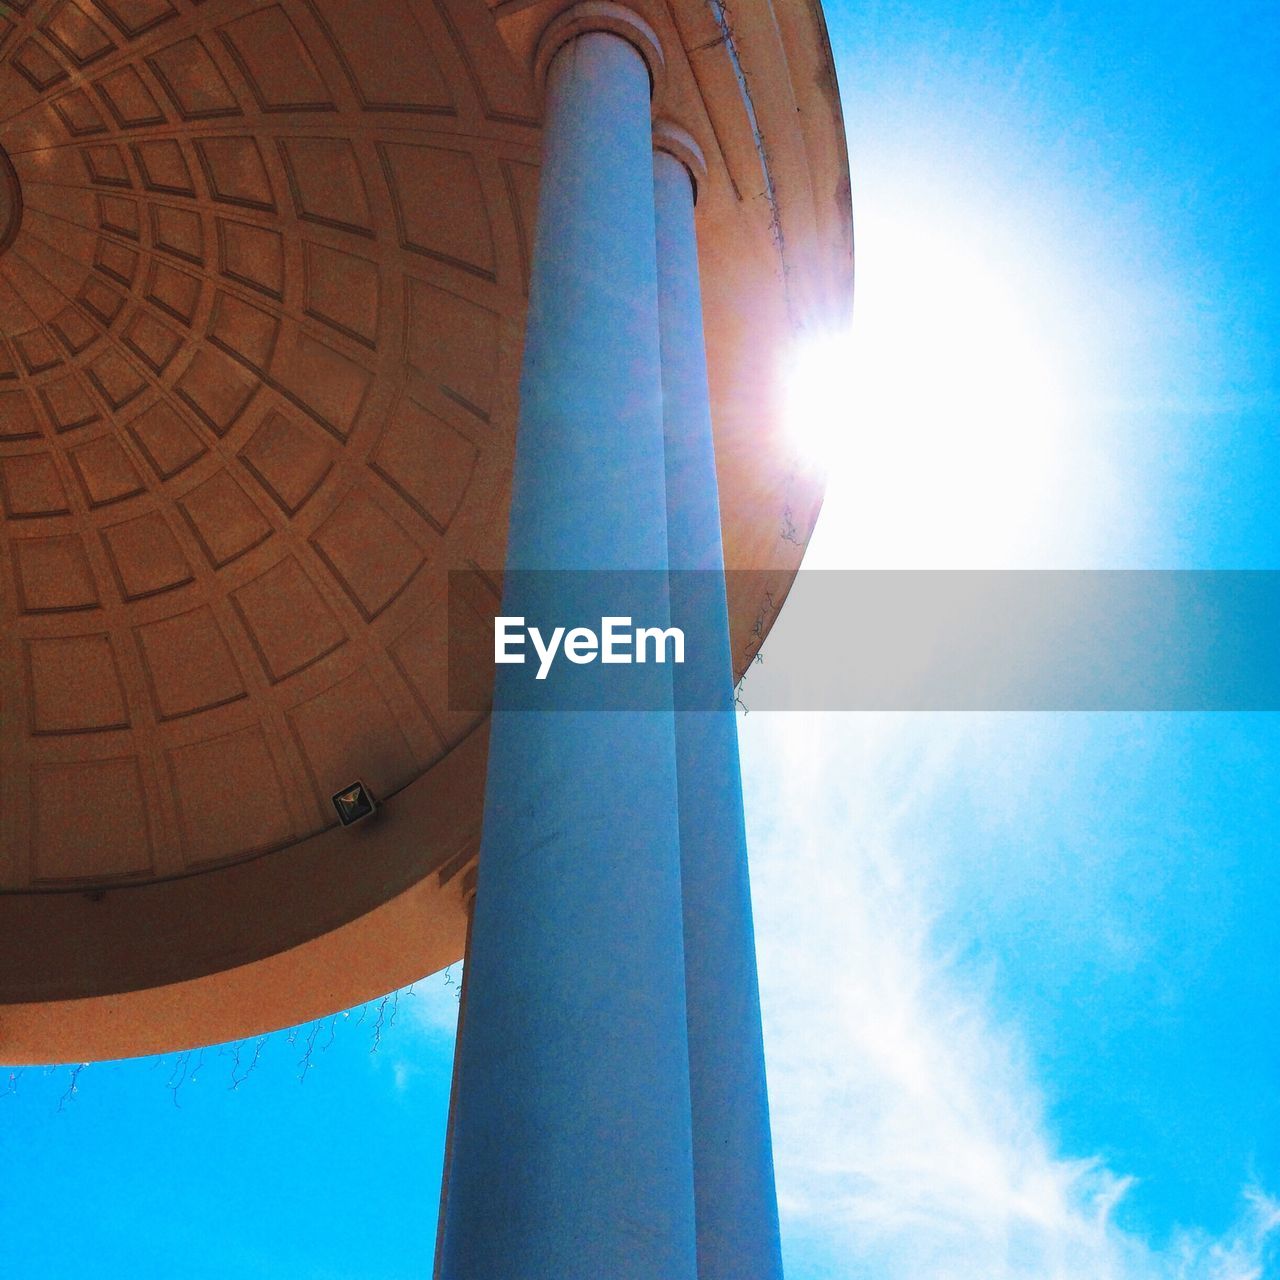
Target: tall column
point(571, 1148)
point(737, 1211)
point(470, 905)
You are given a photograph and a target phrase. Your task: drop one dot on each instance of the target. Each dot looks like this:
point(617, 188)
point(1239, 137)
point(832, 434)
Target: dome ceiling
point(261, 295)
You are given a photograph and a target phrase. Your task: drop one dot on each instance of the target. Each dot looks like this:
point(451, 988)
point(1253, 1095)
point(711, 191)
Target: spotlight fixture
point(353, 803)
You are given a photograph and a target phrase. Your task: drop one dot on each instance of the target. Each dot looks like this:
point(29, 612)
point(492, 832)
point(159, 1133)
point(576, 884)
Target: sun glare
point(943, 418)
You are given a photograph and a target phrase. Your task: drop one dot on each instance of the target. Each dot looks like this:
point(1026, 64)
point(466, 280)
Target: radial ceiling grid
point(259, 336)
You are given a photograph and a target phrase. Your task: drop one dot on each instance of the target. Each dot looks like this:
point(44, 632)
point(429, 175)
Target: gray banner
point(1126, 640)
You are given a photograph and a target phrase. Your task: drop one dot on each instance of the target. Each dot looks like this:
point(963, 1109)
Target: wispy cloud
point(911, 1135)
point(1244, 1253)
point(402, 1072)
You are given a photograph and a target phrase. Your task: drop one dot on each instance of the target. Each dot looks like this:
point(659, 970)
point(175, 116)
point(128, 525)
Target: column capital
point(601, 15)
point(671, 139)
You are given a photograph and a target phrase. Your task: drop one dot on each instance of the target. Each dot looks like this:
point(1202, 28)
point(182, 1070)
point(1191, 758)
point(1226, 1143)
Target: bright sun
point(945, 419)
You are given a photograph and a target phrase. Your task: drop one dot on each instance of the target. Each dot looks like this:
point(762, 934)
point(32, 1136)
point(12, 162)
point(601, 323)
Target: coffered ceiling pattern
point(259, 344)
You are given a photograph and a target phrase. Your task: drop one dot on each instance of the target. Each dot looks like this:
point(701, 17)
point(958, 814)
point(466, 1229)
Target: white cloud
point(1243, 1253)
point(911, 1136)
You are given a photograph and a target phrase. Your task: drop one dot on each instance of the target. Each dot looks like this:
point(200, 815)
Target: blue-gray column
point(571, 1149)
point(737, 1211)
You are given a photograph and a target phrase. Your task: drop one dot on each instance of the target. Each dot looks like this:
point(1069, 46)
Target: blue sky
point(1021, 973)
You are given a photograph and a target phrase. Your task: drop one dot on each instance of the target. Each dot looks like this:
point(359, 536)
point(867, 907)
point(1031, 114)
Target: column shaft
point(737, 1214)
point(453, 1094)
point(571, 1148)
